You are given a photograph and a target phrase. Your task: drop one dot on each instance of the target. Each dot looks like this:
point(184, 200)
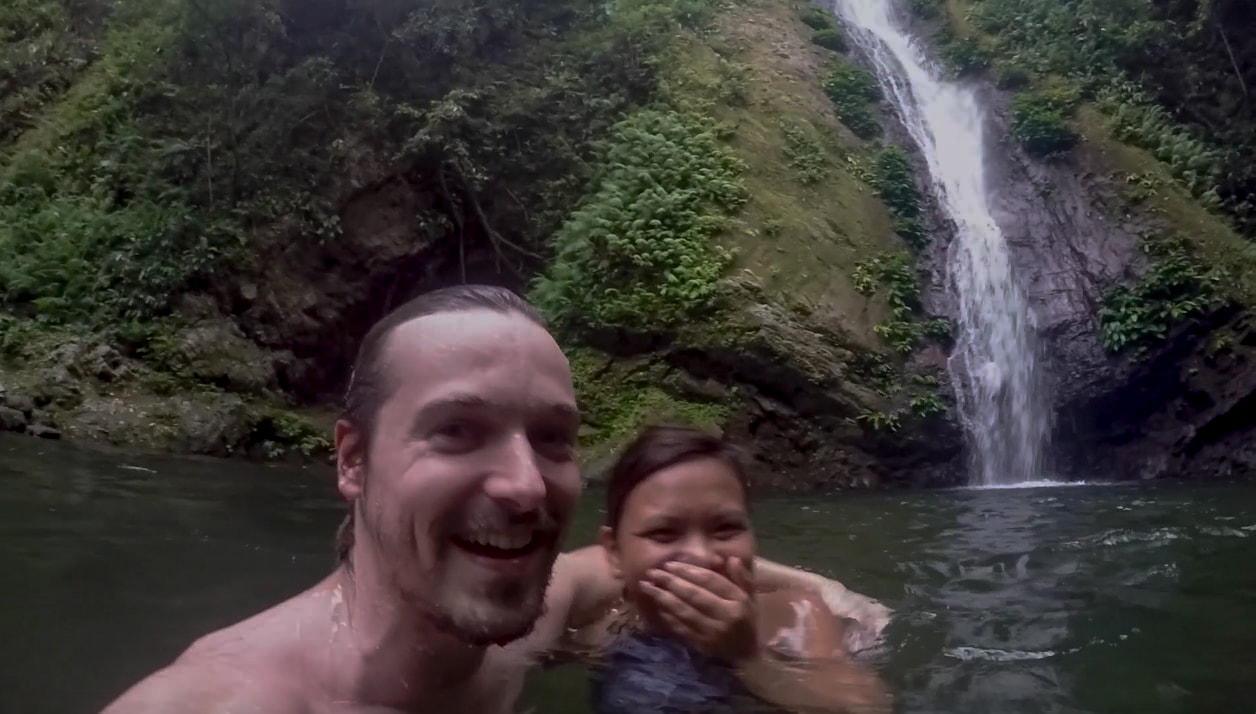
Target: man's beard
point(485, 619)
point(457, 600)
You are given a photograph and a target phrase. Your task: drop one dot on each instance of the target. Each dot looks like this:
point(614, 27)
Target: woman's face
point(694, 512)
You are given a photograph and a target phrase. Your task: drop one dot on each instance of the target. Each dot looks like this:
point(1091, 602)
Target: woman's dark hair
point(368, 383)
point(661, 447)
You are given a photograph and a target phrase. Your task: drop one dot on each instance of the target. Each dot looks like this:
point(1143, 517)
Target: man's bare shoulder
point(198, 686)
point(255, 665)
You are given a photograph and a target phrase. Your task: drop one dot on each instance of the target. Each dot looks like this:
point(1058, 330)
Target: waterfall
point(995, 365)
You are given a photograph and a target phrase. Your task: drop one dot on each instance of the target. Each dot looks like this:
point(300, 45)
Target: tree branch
point(1238, 71)
point(497, 239)
point(457, 211)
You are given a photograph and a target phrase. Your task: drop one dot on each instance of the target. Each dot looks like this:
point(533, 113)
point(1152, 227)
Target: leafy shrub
point(926, 405)
point(1160, 75)
point(853, 90)
point(913, 231)
point(962, 56)
point(894, 273)
point(637, 252)
point(1010, 75)
point(830, 38)
point(925, 9)
point(1175, 288)
point(1040, 122)
point(891, 176)
point(805, 154)
point(817, 18)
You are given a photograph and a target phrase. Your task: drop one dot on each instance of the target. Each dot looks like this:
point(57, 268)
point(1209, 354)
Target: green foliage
point(817, 18)
point(1175, 288)
point(876, 371)
point(16, 335)
point(44, 47)
point(926, 405)
point(1010, 75)
point(805, 154)
point(893, 273)
point(638, 252)
point(1078, 38)
point(1136, 121)
point(962, 55)
point(287, 430)
point(830, 38)
point(209, 133)
point(890, 174)
point(938, 329)
point(901, 335)
point(1170, 74)
point(94, 229)
point(925, 9)
point(881, 421)
point(1040, 122)
point(853, 91)
point(615, 405)
point(913, 231)
point(772, 227)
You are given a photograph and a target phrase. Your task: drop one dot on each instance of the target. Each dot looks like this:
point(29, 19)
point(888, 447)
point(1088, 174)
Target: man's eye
point(554, 443)
point(455, 434)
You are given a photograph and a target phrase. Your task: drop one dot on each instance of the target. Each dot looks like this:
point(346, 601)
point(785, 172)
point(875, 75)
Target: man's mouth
point(504, 543)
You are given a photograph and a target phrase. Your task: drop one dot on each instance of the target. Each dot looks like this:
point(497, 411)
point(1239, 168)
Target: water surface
point(1138, 598)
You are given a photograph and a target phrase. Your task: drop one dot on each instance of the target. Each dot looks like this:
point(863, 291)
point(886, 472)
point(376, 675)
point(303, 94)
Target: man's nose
point(517, 480)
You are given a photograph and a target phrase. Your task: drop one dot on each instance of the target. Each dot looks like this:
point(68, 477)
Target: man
point(457, 454)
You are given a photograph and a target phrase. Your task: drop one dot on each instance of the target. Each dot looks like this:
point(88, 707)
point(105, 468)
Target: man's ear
point(610, 546)
point(350, 460)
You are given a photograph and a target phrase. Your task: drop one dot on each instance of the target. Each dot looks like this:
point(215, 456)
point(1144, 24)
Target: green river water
point(1103, 598)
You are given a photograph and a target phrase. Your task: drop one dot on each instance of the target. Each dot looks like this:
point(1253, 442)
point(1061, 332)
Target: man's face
point(470, 476)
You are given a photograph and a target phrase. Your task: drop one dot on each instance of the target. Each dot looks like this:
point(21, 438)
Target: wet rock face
point(318, 299)
point(796, 406)
point(1179, 410)
point(1066, 248)
point(1186, 410)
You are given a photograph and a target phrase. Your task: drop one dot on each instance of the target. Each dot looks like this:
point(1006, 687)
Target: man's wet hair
point(661, 447)
point(368, 382)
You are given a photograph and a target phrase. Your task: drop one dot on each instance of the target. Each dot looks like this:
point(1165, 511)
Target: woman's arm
point(802, 664)
point(871, 615)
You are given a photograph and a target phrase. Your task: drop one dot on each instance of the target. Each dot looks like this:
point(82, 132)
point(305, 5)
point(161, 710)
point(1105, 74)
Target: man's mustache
point(489, 516)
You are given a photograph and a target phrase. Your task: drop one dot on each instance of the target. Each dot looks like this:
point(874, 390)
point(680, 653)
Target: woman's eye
point(661, 536)
point(729, 530)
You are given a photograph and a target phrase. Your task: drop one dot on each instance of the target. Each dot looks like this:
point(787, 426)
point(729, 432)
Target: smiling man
point(456, 453)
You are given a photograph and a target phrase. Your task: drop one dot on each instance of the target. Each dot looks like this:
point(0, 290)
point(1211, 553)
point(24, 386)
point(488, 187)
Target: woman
point(692, 635)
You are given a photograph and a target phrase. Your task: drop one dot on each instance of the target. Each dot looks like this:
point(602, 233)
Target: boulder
point(43, 432)
point(20, 402)
point(215, 351)
point(12, 419)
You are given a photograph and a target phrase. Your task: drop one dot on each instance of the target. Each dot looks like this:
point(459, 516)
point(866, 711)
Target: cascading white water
point(995, 363)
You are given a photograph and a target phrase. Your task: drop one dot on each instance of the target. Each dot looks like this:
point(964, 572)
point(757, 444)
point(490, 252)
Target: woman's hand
point(712, 613)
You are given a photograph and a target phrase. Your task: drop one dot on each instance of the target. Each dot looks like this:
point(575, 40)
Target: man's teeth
point(503, 540)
